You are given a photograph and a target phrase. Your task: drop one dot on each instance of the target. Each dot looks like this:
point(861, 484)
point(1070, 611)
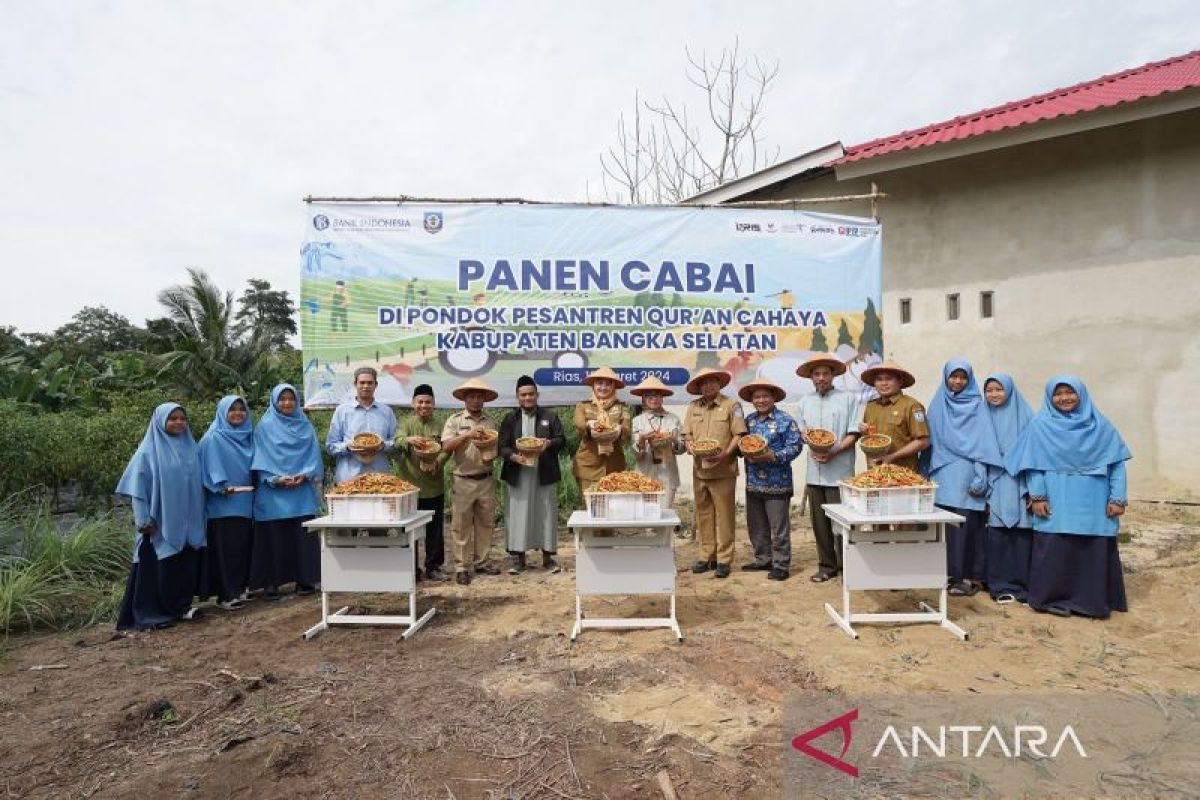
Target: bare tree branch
point(665, 157)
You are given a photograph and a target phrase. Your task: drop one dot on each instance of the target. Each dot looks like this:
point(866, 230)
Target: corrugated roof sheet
point(1149, 80)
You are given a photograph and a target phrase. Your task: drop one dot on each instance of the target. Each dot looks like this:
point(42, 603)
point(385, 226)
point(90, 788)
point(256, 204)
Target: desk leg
point(943, 611)
point(324, 623)
point(675, 620)
point(843, 619)
point(578, 619)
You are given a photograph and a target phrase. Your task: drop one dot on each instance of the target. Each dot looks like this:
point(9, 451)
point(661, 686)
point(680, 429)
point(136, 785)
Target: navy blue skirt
point(225, 572)
point(284, 552)
point(1079, 573)
point(966, 548)
point(158, 591)
point(1008, 553)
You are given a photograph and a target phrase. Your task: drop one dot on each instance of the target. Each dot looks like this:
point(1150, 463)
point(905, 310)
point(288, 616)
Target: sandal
point(821, 577)
point(1058, 611)
point(962, 589)
point(1005, 599)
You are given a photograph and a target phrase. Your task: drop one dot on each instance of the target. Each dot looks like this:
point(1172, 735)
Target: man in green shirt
point(428, 476)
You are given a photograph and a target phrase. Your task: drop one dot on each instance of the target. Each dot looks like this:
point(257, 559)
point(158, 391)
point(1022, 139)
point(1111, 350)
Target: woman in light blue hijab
point(1010, 527)
point(1073, 461)
point(962, 447)
point(288, 472)
point(162, 481)
point(226, 451)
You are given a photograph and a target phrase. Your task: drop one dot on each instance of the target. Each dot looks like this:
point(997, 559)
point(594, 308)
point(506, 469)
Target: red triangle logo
point(842, 723)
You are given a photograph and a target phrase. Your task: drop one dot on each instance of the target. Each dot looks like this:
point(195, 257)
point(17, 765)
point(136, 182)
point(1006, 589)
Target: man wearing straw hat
point(600, 453)
point(531, 508)
point(714, 479)
point(427, 474)
point(360, 415)
point(656, 438)
point(473, 503)
point(895, 414)
point(839, 412)
point(769, 480)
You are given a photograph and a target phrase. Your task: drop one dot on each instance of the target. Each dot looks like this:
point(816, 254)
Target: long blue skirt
point(158, 591)
point(966, 548)
point(284, 552)
point(1079, 573)
point(225, 572)
point(1008, 553)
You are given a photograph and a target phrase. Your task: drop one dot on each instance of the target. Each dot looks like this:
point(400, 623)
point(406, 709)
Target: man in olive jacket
point(531, 508)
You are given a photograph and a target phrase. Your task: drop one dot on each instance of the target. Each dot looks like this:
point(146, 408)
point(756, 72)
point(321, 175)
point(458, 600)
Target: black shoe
point(1058, 611)
point(304, 590)
point(517, 566)
point(722, 571)
point(754, 566)
point(701, 567)
point(436, 574)
point(271, 594)
point(487, 569)
point(777, 574)
point(462, 578)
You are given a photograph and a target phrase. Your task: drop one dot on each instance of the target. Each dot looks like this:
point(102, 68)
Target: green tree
point(266, 311)
point(844, 336)
point(92, 333)
point(871, 340)
point(819, 345)
point(10, 341)
point(207, 358)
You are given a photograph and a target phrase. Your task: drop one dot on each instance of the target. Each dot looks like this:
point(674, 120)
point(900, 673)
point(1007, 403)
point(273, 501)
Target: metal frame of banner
point(874, 196)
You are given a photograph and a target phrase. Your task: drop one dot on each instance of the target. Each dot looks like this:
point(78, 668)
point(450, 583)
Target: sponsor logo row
point(432, 222)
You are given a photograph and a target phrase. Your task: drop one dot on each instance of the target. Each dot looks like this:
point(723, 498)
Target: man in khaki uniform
point(895, 414)
point(714, 480)
point(473, 502)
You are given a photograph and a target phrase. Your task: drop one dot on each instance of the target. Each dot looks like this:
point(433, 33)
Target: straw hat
point(475, 385)
point(906, 377)
point(651, 385)
point(693, 386)
point(821, 360)
point(604, 372)
point(747, 391)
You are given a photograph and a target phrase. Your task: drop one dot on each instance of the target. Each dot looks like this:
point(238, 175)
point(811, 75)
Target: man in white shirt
point(840, 412)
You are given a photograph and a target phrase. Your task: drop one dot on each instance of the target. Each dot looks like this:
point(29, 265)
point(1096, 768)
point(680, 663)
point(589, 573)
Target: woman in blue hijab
point(1073, 461)
point(1010, 527)
point(288, 472)
point(162, 481)
point(226, 451)
point(962, 447)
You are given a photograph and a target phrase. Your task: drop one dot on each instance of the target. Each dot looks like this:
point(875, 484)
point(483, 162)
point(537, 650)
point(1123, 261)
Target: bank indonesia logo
point(433, 221)
point(320, 222)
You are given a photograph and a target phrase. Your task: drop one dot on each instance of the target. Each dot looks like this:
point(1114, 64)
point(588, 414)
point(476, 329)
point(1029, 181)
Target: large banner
point(438, 293)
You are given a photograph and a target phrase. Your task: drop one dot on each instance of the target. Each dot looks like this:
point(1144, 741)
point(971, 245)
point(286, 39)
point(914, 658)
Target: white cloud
point(137, 138)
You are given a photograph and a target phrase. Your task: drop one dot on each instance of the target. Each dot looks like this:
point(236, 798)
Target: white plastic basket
point(624, 505)
point(889, 502)
point(372, 507)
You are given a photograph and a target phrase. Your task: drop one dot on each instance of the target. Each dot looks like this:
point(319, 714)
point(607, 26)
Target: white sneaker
point(192, 613)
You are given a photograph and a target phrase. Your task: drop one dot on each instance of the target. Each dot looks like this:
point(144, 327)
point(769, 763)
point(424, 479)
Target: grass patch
point(58, 577)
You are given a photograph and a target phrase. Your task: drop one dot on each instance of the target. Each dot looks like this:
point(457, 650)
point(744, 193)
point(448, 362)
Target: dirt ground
point(491, 700)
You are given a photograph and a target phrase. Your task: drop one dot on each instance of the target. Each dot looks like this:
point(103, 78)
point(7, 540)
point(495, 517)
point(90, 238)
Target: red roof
point(1149, 80)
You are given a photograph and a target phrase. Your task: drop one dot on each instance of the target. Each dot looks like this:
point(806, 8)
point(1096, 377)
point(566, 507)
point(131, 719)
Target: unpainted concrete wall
point(1091, 246)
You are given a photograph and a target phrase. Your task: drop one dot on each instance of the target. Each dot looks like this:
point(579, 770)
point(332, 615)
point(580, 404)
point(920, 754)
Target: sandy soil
point(491, 700)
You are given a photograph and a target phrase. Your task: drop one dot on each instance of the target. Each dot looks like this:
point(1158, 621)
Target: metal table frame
point(624, 565)
point(874, 559)
point(390, 566)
